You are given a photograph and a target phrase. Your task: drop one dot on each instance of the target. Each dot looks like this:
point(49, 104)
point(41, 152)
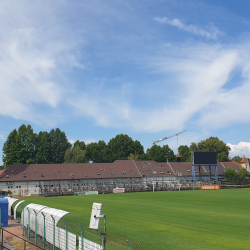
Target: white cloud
point(211, 32)
point(242, 148)
point(33, 50)
point(200, 73)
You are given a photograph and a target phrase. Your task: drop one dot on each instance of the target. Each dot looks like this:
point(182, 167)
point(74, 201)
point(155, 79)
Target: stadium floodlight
point(96, 216)
point(95, 219)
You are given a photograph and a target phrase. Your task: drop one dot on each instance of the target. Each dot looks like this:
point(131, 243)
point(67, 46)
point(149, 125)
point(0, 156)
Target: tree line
point(23, 146)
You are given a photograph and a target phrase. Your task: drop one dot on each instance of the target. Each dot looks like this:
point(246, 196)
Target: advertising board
point(86, 193)
point(118, 190)
point(210, 187)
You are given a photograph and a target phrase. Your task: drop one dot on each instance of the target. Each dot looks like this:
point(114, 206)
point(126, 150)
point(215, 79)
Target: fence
point(45, 228)
point(133, 186)
point(12, 239)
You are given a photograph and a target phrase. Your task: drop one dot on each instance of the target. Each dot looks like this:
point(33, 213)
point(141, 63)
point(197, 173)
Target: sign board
point(86, 193)
point(210, 187)
point(118, 190)
point(204, 158)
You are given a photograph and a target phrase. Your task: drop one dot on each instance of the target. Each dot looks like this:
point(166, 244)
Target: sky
point(148, 69)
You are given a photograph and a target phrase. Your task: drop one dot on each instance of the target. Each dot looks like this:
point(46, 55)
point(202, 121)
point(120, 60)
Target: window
point(86, 175)
point(134, 172)
point(16, 186)
point(24, 175)
point(98, 173)
point(161, 172)
point(19, 186)
point(154, 172)
point(7, 176)
point(71, 174)
point(55, 175)
point(123, 172)
point(112, 173)
point(42, 175)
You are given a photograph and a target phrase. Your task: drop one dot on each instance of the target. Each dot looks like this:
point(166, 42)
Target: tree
point(80, 144)
point(214, 144)
point(58, 145)
point(20, 146)
point(43, 148)
point(185, 154)
point(10, 151)
point(75, 155)
point(161, 154)
point(237, 158)
point(133, 157)
point(230, 174)
point(97, 152)
point(242, 174)
point(121, 146)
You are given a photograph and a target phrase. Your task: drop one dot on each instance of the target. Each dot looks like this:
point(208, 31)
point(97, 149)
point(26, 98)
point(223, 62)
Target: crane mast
point(165, 138)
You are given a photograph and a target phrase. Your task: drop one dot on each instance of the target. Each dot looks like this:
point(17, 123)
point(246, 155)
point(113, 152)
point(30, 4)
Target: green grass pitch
point(216, 219)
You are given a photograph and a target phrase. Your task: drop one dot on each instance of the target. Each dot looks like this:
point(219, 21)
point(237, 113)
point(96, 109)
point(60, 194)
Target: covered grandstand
point(64, 179)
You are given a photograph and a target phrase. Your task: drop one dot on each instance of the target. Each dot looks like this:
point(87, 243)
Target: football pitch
point(216, 219)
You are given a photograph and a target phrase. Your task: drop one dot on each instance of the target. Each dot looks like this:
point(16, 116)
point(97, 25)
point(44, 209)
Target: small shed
point(4, 212)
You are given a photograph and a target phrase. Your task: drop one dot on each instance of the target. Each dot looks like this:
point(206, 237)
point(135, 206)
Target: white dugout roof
point(11, 202)
point(42, 211)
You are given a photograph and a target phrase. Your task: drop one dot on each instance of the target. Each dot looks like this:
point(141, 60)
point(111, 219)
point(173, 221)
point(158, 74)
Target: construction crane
point(154, 142)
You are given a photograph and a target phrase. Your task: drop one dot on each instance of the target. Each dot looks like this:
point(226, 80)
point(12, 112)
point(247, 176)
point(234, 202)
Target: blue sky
point(148, 69)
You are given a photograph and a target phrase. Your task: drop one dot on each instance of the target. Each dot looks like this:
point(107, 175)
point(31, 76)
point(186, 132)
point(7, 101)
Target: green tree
point(10, 150)
point(144, 157)
point(161, 154)
point(20, 146)
point(121, 146)
point(133, 157)
point(193, 147)
point(75, 155)
point(237, 158)
point(242, 174)
point(214, 144)
point(230, 174)
point(97, 152)
point(43, 148)
point(185, 154)
point(80, 144)
point(58, 145)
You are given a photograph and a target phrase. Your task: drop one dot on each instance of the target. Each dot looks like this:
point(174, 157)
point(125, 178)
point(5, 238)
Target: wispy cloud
point(32, 55)
point(200, 74)
point(240, 149)
point(210, 32)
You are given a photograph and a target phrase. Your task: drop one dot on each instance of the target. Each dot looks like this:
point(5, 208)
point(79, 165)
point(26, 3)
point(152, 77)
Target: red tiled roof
point(231, 160)
point(1, 171)
point(117, 169)
point(244, 160)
